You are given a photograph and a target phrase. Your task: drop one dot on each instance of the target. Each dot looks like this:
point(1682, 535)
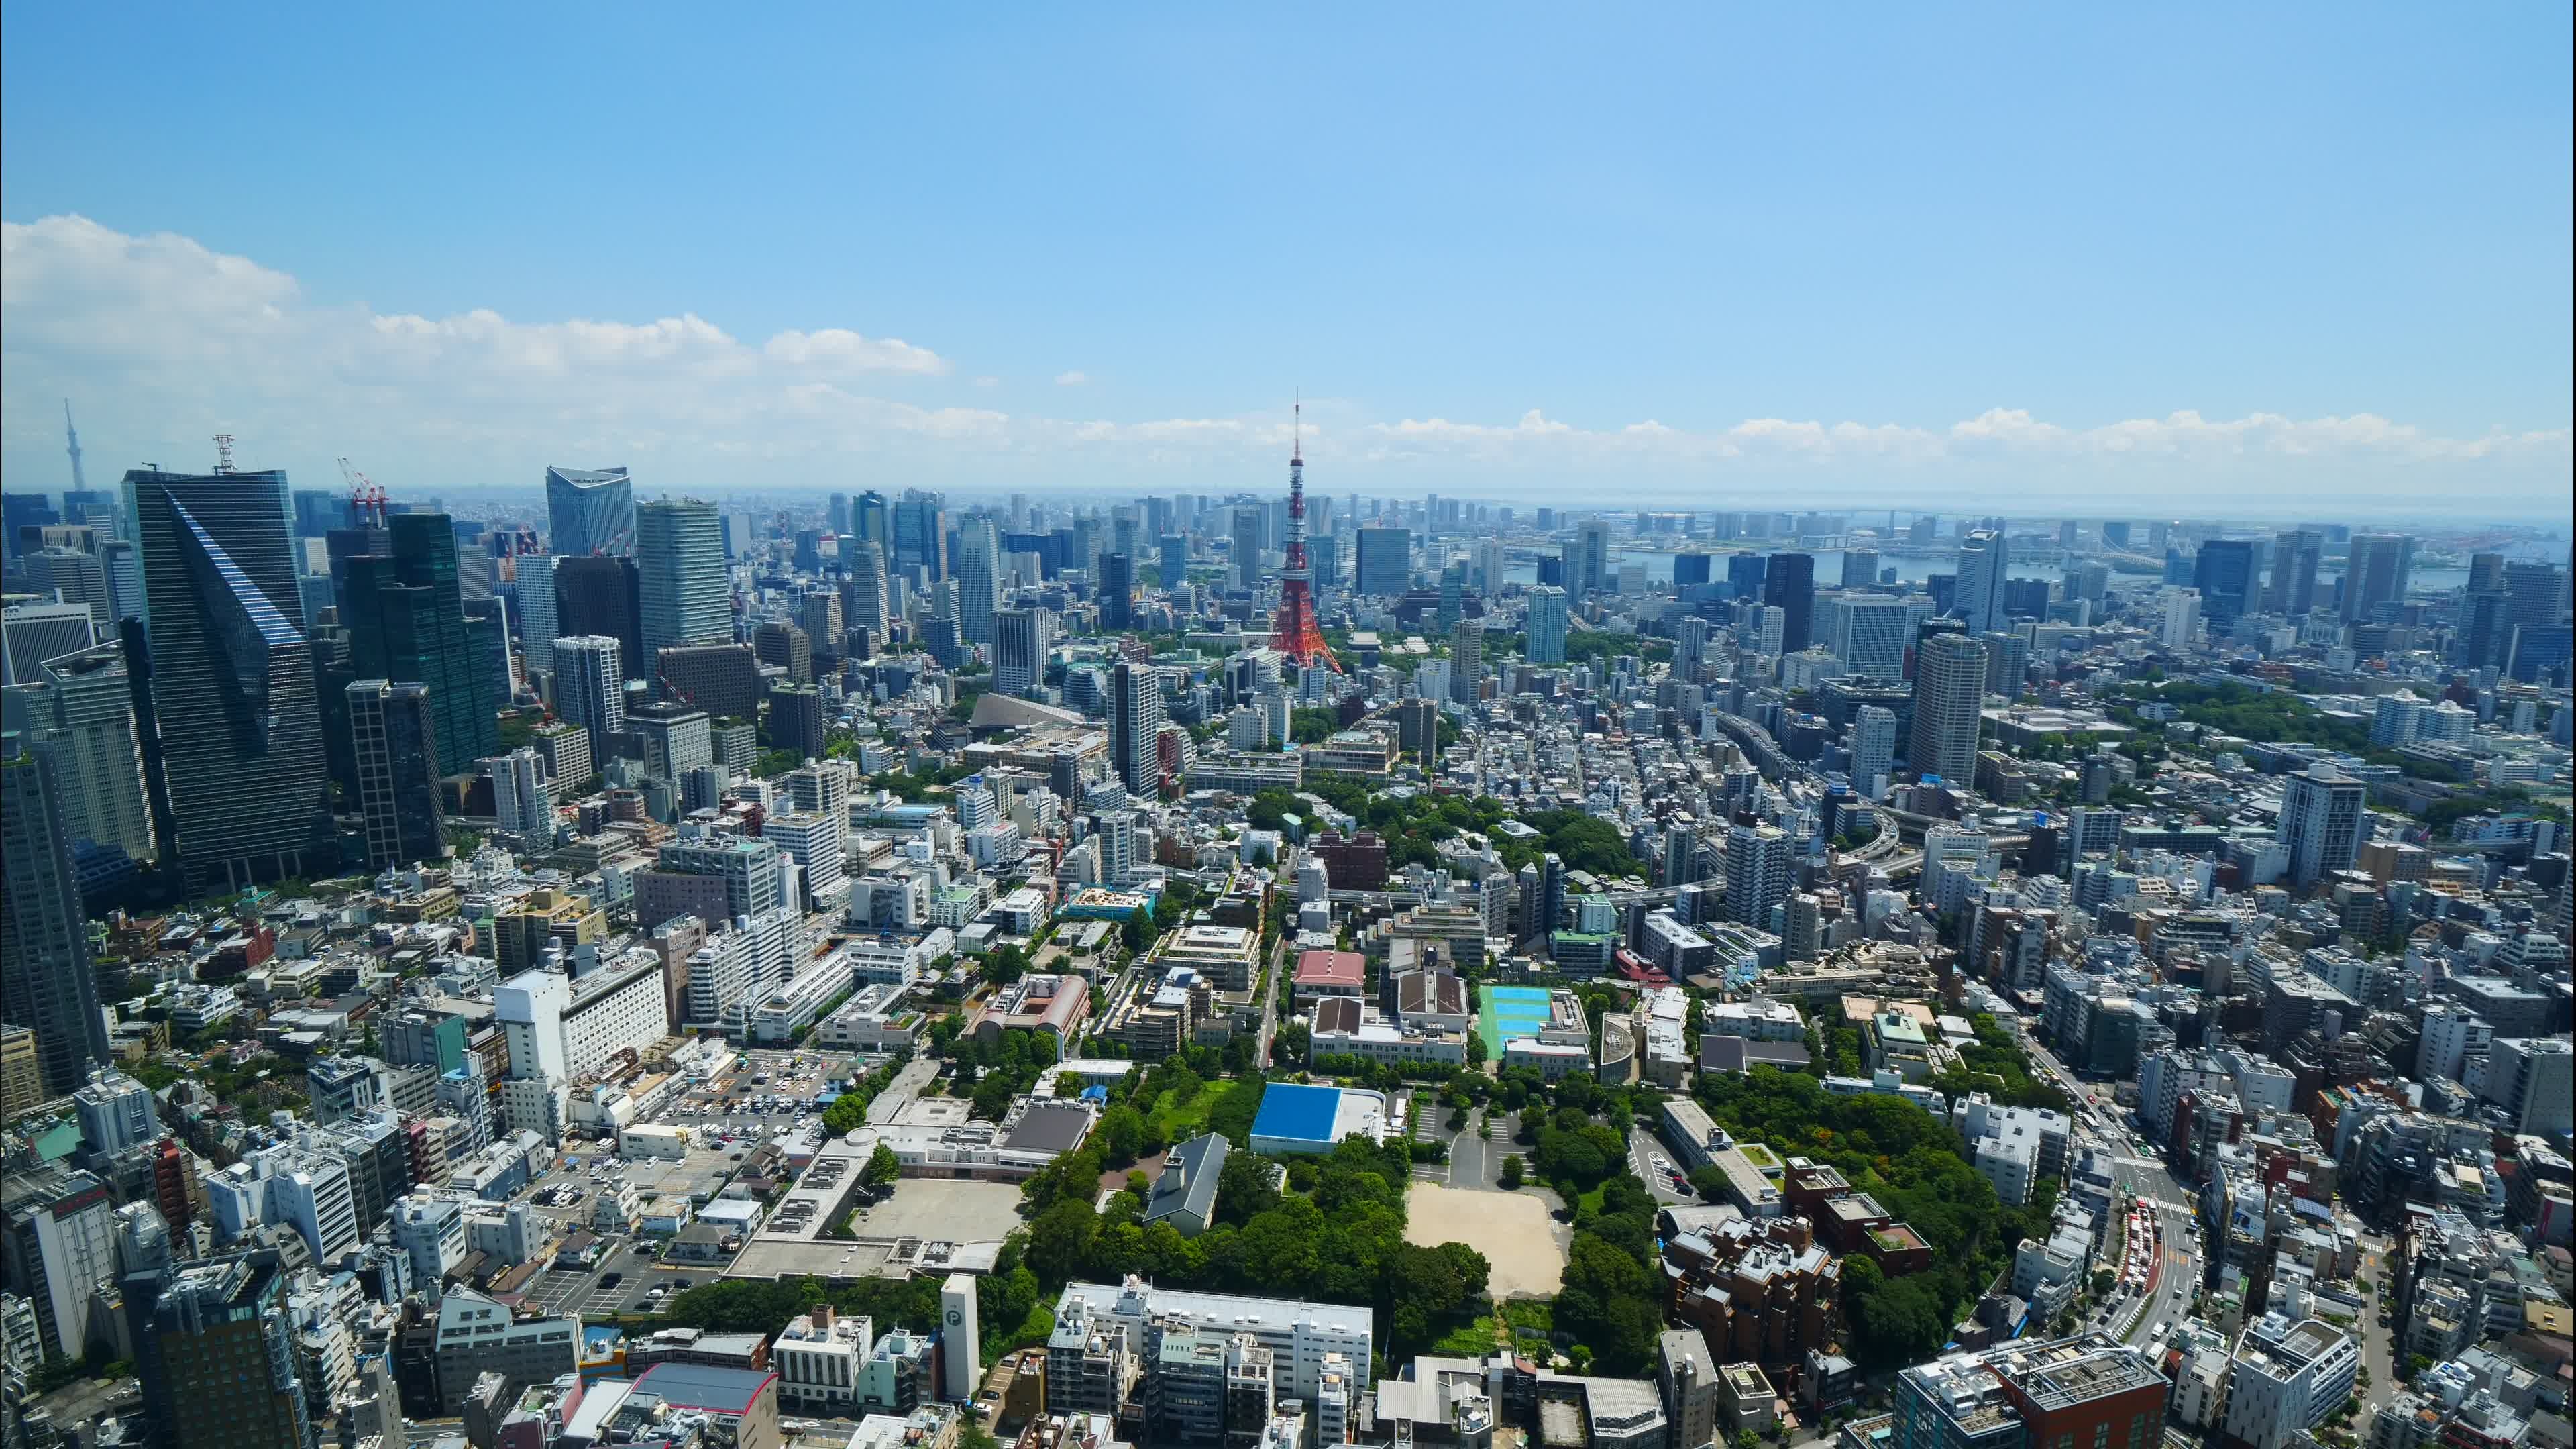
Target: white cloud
point(160, 342)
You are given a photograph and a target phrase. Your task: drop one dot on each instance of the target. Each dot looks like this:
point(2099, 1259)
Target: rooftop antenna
point(223, 452)
point(78, 481)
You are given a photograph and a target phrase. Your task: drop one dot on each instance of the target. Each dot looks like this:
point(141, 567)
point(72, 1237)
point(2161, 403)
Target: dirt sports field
point(1511, 1229)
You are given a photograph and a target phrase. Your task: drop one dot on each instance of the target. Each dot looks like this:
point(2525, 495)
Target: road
point(2136, 1175)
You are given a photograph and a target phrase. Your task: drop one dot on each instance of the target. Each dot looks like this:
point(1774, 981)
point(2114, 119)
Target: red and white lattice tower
point(1295, 631)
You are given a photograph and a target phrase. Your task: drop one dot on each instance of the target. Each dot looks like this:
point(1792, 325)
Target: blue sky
point(2204, 259)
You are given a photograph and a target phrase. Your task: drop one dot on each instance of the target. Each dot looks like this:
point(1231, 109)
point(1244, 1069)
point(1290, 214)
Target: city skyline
point(1819, 262)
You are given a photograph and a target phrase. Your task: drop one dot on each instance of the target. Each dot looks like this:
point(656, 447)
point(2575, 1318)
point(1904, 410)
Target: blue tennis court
point(1511, 1011)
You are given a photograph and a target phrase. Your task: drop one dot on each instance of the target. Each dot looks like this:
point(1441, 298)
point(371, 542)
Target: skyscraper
point(1384, 566)
point(1873, 748)
point(1547, 623)
point(871, 520)
point(1690, 571)
point(589, 512)
point(1467, 661)
point(921, 535)
point(30, 634)
point(1172, 556)
point(232, 677)
point(590, 690)
point(1983, 565)
point(1949, 691)
point(599, 596)
point(2295, 554)
point(2377, 573)
point(1789, 585)
point(1244, 547)
point(2224, 573)
point(1587, 566)
point(407, 623)
point(1021, 641)
point(1757, 873)
point(681, 591)
point(2321, 820)
point(979, 579)
point(863, 592)
point(1117, 592)
point(533, 597)
point(393, 728)
point(46, 983)
point(1135, 722)
point(82, 718)
point(1744, 574)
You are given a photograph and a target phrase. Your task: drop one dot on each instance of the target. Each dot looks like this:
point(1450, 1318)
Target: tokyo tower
point(1295, 632)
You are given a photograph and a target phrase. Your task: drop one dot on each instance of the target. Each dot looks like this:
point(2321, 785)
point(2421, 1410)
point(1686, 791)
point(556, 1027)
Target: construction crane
point(366, 498)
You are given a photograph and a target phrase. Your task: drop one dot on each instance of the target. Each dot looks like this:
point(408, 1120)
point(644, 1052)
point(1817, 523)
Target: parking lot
point(778, 1091)
point(622, 1281)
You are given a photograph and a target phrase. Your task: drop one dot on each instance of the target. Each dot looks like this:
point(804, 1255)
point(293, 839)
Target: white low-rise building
point(1762, 1018)
point(1344, 1027)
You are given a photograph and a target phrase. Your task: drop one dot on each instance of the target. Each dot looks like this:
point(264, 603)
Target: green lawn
point(1472, 1339)
point(1177, 1121)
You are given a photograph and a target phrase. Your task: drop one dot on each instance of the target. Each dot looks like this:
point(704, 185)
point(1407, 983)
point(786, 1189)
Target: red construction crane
point(366, 499)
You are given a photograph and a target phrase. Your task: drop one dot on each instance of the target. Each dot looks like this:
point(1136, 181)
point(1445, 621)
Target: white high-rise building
point(530, 1008)
point(1873, 749)
point(1757, 873)
point(2182, 617)
point(2321, 822)
point(590, 691)
point(1949, 697)
point(682, 592)
point(519, 796)
point(1547, 625)
point(814, 842)
point(1982, 569)
point(1869, 632)
point(1467, 661)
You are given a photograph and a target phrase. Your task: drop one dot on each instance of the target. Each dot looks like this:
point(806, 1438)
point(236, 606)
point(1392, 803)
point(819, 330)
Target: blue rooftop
point(1299, 1113)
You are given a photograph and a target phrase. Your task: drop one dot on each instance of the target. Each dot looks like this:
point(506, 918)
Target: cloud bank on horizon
point(160, 342)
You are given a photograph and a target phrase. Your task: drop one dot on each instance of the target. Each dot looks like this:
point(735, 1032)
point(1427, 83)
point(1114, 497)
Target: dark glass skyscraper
point(1789, 585)
point(407, 624)
point(601, 596)
point(393, 730)
point(1744, 573)
point(232, 677)
point(1690, 570)
point(1117, 591)
point(589, 511)
point(2224, 574)
point(46, 983)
